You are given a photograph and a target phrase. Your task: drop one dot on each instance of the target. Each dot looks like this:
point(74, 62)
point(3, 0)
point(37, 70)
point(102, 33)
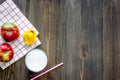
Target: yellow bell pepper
point(29, 37)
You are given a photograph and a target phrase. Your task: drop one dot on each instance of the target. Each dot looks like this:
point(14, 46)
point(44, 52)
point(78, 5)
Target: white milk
point(36, 60)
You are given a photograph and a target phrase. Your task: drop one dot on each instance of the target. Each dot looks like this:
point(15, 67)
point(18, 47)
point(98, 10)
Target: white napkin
point(9, 12)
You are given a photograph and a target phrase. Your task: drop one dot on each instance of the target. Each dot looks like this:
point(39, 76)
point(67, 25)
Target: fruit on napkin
point(29, 37)
point(9, 32)
point(6, 52)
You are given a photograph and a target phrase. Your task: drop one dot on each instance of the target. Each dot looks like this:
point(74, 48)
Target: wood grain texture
point(108, 40)
point(84, 34)
point(116, 56)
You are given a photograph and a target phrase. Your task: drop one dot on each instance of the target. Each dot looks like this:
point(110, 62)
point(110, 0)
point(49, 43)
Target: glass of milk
point(36, 60)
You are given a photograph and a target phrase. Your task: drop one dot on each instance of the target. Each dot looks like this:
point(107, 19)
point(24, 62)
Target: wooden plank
point(108, 43)
point(73, 36)
point(116, 48)
point(84, 27)
point(61, 37)
point(95, 40)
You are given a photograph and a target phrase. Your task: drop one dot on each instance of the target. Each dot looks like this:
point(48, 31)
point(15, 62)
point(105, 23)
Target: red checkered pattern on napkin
point(9, 12)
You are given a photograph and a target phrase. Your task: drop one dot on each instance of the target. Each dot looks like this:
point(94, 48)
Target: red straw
point(54, 67)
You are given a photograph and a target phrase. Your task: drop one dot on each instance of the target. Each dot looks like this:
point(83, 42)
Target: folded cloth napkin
point(9, 12)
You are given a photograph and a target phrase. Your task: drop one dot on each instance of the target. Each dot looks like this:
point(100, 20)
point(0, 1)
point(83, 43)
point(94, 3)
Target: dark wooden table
point(84, 34)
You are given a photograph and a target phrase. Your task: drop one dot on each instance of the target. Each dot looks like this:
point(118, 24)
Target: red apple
point(6, 52)
point(9, 32)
